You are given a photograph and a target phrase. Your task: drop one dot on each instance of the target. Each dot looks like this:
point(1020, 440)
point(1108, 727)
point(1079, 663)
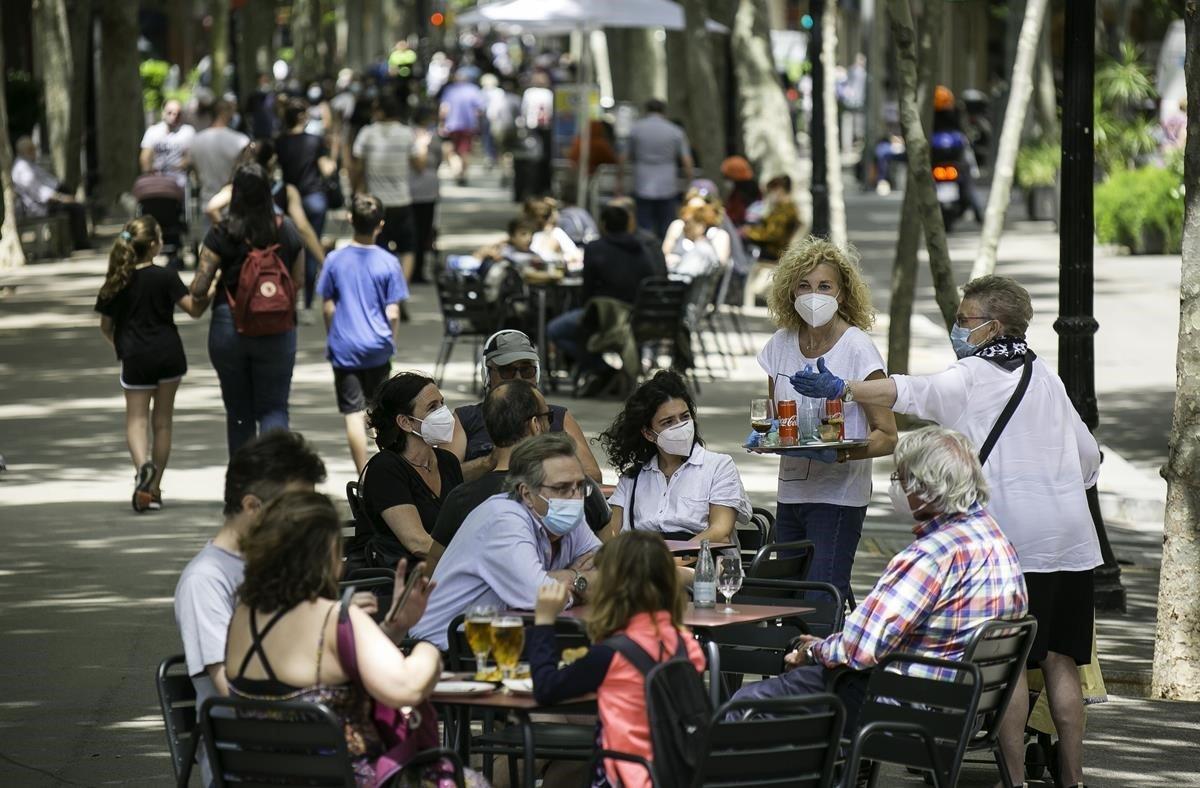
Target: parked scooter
point(947, 154)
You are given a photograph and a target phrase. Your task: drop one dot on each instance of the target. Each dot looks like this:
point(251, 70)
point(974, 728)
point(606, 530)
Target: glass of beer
point(508, 640)
point(479, 634)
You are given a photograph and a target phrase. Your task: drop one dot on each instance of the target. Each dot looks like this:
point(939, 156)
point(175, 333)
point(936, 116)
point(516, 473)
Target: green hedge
point(1136, 208)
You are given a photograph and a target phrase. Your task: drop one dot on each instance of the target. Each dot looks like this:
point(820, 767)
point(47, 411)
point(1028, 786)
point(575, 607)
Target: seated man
point(40, 194)
point(513, 543)
point(508, 355)
point(959, 573)
point(513, 410)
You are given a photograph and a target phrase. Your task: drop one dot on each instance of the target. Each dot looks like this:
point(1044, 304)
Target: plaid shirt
point(959, 573)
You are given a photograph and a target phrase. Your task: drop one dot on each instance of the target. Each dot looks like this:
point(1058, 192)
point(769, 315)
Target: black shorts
point(145, 371)
point(398, 235)
point(355, 387)
point(1063, 604)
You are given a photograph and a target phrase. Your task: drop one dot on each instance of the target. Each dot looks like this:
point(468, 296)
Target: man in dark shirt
point(614, 266)
point(650, 242)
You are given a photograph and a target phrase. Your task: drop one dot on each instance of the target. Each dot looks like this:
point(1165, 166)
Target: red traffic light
point(437, 19)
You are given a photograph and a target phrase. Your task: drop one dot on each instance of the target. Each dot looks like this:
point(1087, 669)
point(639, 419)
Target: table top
point(688, 546)
point(501, 698)
point(704, 618)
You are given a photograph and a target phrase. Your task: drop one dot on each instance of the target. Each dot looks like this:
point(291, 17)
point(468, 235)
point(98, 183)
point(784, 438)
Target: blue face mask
point(959, 336)
point(563, 516)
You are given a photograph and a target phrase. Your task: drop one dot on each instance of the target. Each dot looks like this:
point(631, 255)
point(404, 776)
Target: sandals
point(142, 499)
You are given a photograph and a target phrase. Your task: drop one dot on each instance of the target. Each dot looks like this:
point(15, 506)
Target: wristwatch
point(580, 584)
point(847, 392)
point(808, 653)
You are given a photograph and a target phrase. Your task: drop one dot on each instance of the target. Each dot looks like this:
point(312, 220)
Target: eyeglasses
point(547, 415)
point(961, 320)
point(569, 490)
point(511, 371)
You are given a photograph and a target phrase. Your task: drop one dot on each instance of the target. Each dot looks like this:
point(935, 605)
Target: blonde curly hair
point(798, 262)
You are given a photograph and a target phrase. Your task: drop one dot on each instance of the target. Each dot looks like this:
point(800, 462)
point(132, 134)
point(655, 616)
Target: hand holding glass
point(729, 579)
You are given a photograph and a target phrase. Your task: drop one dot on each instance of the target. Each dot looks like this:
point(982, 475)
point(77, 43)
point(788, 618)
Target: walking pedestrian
point(659, 152)
point(425, 189)
point(136, 304)
point(362, 287)
point(383, 158)
point(462, 106)
point(255, 369)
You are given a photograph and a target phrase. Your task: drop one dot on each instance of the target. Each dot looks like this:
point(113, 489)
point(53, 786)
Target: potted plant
point(1142, 209)
point(1037, 174)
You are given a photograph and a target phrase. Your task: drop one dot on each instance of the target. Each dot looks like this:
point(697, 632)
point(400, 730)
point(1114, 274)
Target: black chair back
point(177, 699)
point(918, 722)
point(275, 742)
point(782, 561)
point(828, 612)
point(769, 518)
point(465, 307)
point(752, 536)
point(380, 582)
point(999, 649)
point(659, 309)
point(781, 741)
point(354, 499)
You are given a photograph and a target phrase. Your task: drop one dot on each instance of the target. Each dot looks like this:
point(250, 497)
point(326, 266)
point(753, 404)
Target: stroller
point(160, 196)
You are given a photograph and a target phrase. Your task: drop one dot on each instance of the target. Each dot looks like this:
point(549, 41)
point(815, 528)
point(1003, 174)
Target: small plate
point(463, 687)
point(815, 446)
point(521, 686)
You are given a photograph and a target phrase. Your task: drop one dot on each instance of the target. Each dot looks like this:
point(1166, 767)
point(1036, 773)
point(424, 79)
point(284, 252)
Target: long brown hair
point(289, 552)
point(132, 247)
point(636, 575)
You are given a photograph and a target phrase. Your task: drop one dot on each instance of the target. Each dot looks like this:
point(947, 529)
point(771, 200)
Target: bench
point(49, 236)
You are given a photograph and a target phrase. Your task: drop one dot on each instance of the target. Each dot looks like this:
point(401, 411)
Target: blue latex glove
point(821, 384)
point(820, 455)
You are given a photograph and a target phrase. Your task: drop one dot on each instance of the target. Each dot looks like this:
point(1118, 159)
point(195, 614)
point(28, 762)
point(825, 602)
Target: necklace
point(427, 467)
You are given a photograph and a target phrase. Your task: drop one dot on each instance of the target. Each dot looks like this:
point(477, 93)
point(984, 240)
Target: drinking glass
point(479, 634)
point(508, 640)
point(729, 579)
point(760, 416)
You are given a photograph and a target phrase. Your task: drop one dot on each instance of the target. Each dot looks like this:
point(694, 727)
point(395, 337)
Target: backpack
point(678, 709)
point(264, 300)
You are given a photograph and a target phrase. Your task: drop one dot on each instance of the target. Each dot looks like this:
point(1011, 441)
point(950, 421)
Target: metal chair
point(659, 321)
point(177, 699)
point(751, 537)
point(921, 723)
point(782, 561)
point(466, 313)
point(258, 742)
point(699, 298)
point(999, 649)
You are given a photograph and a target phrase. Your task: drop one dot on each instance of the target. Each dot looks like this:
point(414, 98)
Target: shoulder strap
point(256, 643)
point(633, 496)
point(345, 638)
point(1009, 408)
point(637, 656)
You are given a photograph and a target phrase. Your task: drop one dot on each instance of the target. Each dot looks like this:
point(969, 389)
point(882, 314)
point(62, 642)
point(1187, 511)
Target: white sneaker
point(883, 188)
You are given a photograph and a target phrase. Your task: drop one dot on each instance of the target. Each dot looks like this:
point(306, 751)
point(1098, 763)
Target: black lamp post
point(1076, 325)
point(816, 129)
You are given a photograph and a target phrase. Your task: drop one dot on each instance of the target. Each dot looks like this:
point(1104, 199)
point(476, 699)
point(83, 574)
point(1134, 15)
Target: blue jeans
point(316, 205)
point(563, 331)
point(810, 680)
point(255, 375)
point(834, 531)
point(656, 215)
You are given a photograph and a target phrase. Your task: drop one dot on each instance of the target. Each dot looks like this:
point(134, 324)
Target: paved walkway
point(86, 585)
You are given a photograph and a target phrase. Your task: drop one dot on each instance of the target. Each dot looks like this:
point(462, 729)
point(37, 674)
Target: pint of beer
point(508, 640)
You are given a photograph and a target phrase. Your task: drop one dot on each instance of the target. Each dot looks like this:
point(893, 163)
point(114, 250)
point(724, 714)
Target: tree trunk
point(79, 18)
point(636, 60)
point(767, 136)
point(256, 33)
point(1177, 637)
point(352, 19)
point(677, 77)
point(1045, 97)
point(908, 243)
point(833, 148)
point(53, 35)
point(220, 44)
point(119, 115)
point(305, 60)
point(704, 118)
point(916, 143)
point(1010, 138)
point(876, 66)
point(11, 253)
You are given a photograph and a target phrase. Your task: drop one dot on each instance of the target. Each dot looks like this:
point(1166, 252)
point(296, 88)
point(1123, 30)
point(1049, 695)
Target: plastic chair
point(257, 742)
point(782, 561)
point(177, 699)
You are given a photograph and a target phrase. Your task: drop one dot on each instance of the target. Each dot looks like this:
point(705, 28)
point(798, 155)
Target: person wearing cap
point(743, 188)
point(509, 355)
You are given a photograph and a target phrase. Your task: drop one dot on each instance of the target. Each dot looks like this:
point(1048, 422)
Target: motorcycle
point(947, 154)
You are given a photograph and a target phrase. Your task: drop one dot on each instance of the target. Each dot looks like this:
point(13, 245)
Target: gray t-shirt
point(385, 148)
point(204, 603)
point(655, 147)
point(214, 152)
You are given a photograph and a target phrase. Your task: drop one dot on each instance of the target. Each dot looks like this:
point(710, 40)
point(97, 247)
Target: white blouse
point(681, 502)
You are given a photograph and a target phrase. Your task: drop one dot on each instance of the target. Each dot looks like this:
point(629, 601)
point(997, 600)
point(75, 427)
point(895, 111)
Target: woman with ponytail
point(136, 304)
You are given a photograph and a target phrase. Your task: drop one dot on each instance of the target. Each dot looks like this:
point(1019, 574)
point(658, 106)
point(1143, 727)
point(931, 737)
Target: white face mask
point(437, 427)
point(816, 309)
point(678, 439)
point(900, 500)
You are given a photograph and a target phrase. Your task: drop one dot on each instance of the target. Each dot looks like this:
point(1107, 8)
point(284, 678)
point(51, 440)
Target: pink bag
point(405, 732)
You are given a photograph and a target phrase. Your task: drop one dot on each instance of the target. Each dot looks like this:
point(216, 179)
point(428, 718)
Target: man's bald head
point(25, 147)
point(172, 113)
point(510, 411)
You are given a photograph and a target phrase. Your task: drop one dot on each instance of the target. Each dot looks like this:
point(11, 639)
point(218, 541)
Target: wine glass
point(479, 634)
point(729, 579)
point(760, 416)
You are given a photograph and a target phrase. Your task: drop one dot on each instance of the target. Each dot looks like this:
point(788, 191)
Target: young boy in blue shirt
point(363, 286)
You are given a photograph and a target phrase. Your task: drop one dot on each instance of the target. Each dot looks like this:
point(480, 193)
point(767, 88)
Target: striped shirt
point(385, 148)
point(959, 573)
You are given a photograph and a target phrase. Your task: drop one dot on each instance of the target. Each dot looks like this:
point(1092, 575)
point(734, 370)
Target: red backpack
point(264, 302)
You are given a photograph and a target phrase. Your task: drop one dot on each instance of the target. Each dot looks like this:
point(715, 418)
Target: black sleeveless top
point(479, 443)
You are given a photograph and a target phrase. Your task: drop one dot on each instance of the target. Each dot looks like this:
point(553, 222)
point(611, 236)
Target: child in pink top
point(636, 593)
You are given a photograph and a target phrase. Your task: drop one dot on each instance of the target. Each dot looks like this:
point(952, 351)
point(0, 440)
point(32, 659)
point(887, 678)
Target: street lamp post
point(816, 129)
point(1076, 326)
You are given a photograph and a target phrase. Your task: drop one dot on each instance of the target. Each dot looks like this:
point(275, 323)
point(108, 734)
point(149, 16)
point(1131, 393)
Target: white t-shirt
point(543, 245)
point(681, 502)
point(1041, 465)
point(537, 107)
point(214, 152)
point(385, 148)
point(169, 148)
point(802, 480)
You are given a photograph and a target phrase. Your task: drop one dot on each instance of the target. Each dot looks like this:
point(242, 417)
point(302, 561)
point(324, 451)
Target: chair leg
point(735, 314)
point(443, 358)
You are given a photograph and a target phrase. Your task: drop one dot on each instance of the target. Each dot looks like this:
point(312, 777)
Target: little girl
point(636, 593)
point(136, 304)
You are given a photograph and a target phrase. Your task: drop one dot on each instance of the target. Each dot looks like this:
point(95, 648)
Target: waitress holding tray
point(822, 308)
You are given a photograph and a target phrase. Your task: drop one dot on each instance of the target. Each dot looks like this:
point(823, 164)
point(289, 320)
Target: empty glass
point(729, 579)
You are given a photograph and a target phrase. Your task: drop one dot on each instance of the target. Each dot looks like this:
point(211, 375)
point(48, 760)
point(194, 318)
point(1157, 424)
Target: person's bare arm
point(406, 525)
point(615, 522)
point(688, 164)
point(875, 390)
point(295, 212)
point(723, 246)
point(721, 520)
point(206, 272)
point(216, 672)
point(436, 551)
point(387, 674)
point(392, 313)
point(109, 329)
point(881, 441)
point(591, 468)
point(298, 273)
point(146, 159)
point(328, 306)
point(327, 166)
point(219, 202)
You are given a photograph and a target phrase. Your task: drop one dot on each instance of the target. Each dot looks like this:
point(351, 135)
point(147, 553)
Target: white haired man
point(959, 572)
